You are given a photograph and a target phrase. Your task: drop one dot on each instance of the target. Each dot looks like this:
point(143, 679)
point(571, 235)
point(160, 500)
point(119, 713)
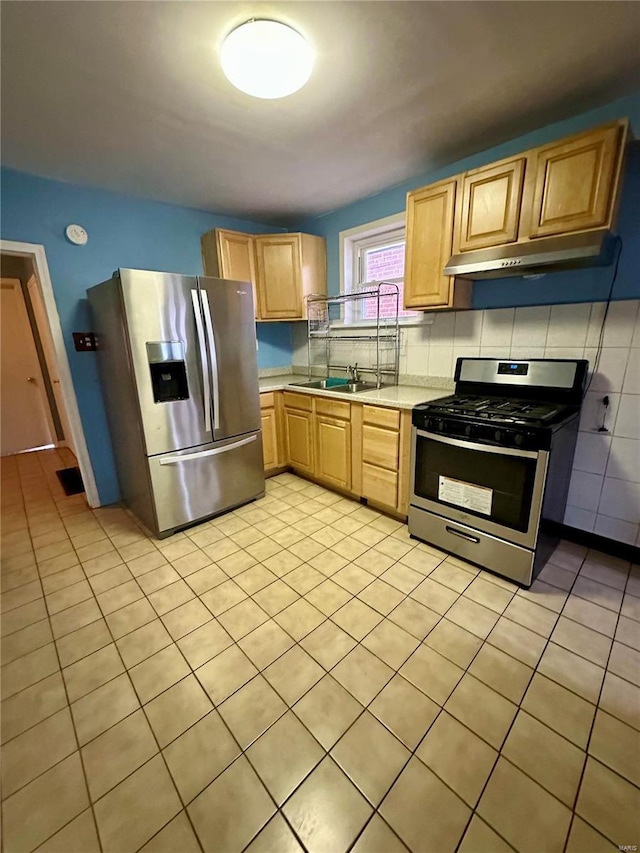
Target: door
point(333, 451)
point(236, 253)
point(162, 308)
point(496, 489)
point(48, 349)
point(279, 280)
point(230, 330)
point(428, 247)
point(574, 182)
point(24, 421)
point(189, 485)
point(491, 199)
point(299, 439)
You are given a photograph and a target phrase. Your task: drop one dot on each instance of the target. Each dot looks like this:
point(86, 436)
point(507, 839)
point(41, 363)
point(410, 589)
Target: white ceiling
point(129, 96)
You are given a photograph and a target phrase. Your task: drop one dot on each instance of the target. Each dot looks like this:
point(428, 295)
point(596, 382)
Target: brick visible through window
point(380, 264)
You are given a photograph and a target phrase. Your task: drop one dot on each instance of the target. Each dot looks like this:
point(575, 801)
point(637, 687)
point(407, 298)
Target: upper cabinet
point(289, 267)
point(429, 239)
point(283, 268)
point(230, 254)
point(575, 182)
point(560, 188)
point(490, 205)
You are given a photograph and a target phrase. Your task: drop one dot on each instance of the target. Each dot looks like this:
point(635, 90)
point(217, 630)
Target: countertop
point(396, 396)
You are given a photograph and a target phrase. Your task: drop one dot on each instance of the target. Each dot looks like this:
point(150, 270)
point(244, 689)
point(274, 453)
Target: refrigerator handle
point(214, 359)
point(201, 454)
point(204, 363)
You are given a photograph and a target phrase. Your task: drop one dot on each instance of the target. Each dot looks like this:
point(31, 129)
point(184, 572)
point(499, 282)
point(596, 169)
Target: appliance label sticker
point(474, 498)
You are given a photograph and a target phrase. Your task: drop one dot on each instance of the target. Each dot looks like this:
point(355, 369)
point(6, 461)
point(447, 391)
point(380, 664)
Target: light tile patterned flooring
point(301, 674)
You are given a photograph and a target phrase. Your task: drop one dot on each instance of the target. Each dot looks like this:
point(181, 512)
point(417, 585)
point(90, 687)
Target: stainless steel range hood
point(548, 254)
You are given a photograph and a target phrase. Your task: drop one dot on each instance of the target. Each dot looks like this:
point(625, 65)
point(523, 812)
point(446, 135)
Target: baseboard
point(592, 540)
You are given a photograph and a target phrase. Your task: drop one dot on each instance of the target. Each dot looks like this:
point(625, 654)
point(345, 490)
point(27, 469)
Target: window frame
point(380, 233)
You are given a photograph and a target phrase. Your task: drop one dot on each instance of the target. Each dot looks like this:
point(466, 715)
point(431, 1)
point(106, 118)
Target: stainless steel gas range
point(492, 463)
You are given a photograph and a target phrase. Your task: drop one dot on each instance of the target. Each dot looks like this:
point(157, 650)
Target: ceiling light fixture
point(266, 59)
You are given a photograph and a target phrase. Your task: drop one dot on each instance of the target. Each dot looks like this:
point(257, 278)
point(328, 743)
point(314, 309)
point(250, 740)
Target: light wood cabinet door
point(230, 254)
point(380, 485)
point(490, 209)
point(574, 182)
point(236, 254)
point(428, 246)
point(333, 451)
point(380, 447)
point(299, 439)
point(278, 275)
point(269, 439)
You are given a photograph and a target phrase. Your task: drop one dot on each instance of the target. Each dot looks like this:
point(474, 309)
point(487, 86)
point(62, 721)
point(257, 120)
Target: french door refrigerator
point(178, 367)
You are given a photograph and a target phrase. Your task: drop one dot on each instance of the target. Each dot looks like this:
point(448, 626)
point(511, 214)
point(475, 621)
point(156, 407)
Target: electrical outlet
point(85, 341)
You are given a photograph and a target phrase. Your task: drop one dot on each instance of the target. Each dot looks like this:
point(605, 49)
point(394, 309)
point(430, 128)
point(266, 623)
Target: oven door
point(495, 489)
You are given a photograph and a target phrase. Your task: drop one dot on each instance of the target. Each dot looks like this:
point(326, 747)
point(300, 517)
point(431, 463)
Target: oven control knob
point(429, 423)
point(468, 429)
point(519, 439)
point(441, 425)
point(497, 436)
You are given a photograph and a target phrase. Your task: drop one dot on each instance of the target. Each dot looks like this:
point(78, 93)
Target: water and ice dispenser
point(168, 371)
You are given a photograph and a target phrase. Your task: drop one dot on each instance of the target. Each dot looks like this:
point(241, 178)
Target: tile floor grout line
point(159, 752)
point(355, 596)
point(591, 728)
point(84, 773)
point(508, 732)
point(302, 596)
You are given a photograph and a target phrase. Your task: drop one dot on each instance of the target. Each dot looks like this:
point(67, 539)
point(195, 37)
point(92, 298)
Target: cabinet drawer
point(333, 408)
point(267, 400)
point(298, 401)
point(387, 418)
point(379, 485)
point(380, 447)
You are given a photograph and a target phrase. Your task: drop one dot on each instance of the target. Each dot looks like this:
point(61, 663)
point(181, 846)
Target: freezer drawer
point(191, 485)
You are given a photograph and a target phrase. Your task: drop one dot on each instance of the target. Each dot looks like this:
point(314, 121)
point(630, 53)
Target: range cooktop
point(496, 409)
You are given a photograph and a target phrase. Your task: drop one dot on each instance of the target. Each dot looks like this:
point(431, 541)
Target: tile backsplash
point(604, 494)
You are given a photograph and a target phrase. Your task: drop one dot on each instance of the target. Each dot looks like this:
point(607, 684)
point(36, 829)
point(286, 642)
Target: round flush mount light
point(266, 59)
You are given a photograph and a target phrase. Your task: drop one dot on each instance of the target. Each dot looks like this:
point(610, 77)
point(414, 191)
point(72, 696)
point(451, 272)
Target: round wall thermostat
point(76, 234)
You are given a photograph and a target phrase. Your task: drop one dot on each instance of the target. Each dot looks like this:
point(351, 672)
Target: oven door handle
point(473, 445)
point(467, 536)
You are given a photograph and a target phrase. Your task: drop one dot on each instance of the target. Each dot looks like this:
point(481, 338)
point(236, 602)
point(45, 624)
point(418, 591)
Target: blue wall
point(576, 286)
point(274, 344)
point(123, 232)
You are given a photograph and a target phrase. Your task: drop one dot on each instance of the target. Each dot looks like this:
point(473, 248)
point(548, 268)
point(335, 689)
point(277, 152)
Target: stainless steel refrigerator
point(178, 367)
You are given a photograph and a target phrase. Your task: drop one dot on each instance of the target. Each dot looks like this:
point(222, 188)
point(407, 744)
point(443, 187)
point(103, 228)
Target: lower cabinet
point(272, 449)
point(269, 439)
point(379, 485)
point(359, 449)
point(380, 454)
point(298, 430)
point(333, 451)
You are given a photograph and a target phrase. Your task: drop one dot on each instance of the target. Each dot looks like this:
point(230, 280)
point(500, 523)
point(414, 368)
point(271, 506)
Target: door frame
point(36, 253)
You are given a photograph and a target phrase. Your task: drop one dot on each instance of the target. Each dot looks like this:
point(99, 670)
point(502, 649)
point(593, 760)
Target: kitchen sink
point(340, 386)
point(354, 387)
point(335, 384)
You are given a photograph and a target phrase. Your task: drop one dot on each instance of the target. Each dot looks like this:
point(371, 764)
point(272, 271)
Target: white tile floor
point(300, 674)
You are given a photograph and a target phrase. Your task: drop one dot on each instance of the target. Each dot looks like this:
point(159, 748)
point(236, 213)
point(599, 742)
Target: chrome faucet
point(353, 372)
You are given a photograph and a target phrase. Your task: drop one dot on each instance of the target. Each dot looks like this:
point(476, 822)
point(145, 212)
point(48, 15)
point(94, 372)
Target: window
point(371, 253)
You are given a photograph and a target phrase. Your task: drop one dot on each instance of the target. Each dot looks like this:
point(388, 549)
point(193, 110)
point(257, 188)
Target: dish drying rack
point(323, 312)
